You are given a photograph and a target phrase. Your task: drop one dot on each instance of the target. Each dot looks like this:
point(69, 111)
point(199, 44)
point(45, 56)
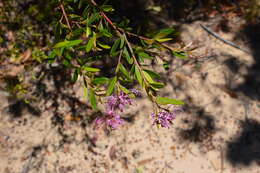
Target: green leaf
point(157, 85)
point(148, 77)
point(104, 45)
point(68, 43)
point(91, 69)
point(75, 75)
point(132, 70)
point(144, 55)
point(93, 100)
point(152, 74)
point(85, 96)
point(66, 63)
point(100, 80)
point(163, 39)
point(165, 101)
point(107, 8)
point(111, 86)
point(106, 33)
point(93, 18)
point(74, 16)
point(180, 54)
point(124, 71)
point(114, 47)
point(127, 56)
point(52, 55)
point(139, 76)
point(125, 90)
point(88, 31)
point(91, 43)
point(57, 31)
point(164, 32)
point(122, 42)
point(68, 56)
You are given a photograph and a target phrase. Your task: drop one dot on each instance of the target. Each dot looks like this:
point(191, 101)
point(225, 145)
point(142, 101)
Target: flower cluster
point(113, 104)
point(165, 118)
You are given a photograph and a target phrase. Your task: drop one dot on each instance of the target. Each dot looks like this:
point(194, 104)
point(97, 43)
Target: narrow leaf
point(88, 31)
point(165, 101)
point(93, 100)
point(138, 76)
point(125, 90)
point(91, 69)
point(157, 85)
point(107, 8)
point(93, 18)
point(104, 46)
point(164, 32)
point(152, 74)
point(90, 44)
point(111, 86)
point(144, 55)
point(100, 80)
point(163, 39)
point(75, 75)
point(106, 33)
point(180, 54)
point(148, 77)
point(114, 47)
point(67, 43)
point(85, 96)
point(122, 41)
point(127, 56)
point(124, 71)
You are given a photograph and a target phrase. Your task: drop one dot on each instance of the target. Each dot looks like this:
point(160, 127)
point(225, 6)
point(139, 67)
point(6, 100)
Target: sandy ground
point(218, 132)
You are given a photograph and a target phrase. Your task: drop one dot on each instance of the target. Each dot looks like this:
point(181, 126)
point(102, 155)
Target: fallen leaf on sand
point(143, 162)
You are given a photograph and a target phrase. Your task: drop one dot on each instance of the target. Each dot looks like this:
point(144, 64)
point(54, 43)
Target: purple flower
point(114, 121)
point(165, 118)
point(136, 92)
point(113, 104)
point(116, 102)
point(123, 100)
point(111, 119)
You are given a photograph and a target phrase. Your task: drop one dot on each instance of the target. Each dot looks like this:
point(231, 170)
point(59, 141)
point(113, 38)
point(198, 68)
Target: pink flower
point(136, 92)
point(165, 118)
point(114, 104)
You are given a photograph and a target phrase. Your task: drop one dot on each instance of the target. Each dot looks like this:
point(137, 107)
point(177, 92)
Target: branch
point(134, 35)
point(65, 15)
point(222, 39)
point(119, 30)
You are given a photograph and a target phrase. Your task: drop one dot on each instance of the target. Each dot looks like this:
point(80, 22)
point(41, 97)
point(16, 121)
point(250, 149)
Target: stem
point(133, 55)
point(65, 15)
point(120, 30)
point(119, 60)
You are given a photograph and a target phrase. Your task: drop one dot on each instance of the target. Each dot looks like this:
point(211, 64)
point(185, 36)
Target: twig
point(65, 15)
point(119, 61)
point(222, 39)
point(120, 30)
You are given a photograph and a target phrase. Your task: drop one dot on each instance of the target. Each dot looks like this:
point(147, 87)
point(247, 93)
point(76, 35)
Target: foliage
point(99, 47)
point(87, 37)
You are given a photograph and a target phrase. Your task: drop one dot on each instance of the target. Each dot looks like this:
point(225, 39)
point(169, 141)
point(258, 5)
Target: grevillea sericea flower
point(164, 118)
point(115, 104)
